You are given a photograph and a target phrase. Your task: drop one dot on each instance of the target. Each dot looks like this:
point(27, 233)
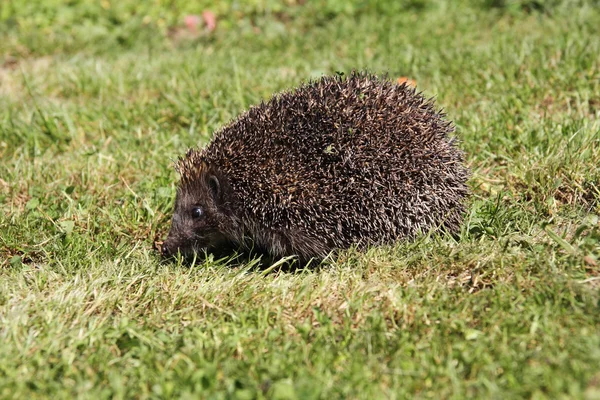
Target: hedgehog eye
point(197, 212)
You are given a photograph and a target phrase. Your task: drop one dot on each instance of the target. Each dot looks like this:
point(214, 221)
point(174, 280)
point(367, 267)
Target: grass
point(96, 99)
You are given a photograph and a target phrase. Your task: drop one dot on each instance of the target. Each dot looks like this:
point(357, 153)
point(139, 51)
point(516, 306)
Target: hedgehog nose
point(165, 250)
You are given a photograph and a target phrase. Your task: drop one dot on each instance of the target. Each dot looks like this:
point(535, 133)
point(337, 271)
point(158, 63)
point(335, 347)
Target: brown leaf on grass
point(10, 62)
point(589, 260)
point(4, 186)
point(406, 80)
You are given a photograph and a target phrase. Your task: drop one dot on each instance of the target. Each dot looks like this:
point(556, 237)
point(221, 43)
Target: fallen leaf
point(192, 22)
point(589, 260)
point(210, 20)
point(406, 80)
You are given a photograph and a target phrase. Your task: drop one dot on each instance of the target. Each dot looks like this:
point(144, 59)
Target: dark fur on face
point(201, 217)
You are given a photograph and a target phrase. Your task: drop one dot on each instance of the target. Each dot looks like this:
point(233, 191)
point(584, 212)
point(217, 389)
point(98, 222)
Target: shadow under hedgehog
point(338, 162)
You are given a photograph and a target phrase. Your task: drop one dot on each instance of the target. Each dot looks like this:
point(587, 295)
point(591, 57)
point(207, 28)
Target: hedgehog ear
point(215, 187)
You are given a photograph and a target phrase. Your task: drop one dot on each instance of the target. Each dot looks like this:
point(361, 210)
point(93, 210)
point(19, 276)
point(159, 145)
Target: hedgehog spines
point(340, 161)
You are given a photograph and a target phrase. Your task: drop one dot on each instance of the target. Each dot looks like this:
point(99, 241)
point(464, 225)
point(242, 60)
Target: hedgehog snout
point(168, 249)
point(185, 242)
point(171, 247)
point(164, 251)
point(174, 243)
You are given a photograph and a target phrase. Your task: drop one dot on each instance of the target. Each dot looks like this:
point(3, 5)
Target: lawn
point(97, 98)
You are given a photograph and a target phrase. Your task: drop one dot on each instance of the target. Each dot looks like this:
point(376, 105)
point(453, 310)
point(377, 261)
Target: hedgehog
point(343, 161)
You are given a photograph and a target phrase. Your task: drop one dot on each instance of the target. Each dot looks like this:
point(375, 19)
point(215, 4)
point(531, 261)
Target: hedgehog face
point(197, 219)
